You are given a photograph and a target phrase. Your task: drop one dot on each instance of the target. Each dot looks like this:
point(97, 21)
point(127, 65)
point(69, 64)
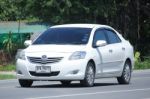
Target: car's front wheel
point(126, 74)
point(89, 75)
point(25, 83)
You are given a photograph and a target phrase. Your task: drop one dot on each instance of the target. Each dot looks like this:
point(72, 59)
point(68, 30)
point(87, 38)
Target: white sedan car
point(76, 52)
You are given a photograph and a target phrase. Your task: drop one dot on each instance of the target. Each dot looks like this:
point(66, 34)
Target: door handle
point(123, 48)
point(110, 50)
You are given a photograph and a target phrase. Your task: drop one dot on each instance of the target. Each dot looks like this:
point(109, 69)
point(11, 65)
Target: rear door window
point(112, 37)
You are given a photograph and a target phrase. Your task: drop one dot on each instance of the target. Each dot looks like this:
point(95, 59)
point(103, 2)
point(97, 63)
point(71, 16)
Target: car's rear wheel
point(89, 76)
point(25, 83)
point(126, 74)
point(65, 83)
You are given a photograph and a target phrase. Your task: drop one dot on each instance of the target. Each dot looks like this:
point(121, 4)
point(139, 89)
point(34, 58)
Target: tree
point(130, 17)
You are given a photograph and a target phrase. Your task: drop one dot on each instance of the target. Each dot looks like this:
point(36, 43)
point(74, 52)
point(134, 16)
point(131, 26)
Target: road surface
point(139, 88)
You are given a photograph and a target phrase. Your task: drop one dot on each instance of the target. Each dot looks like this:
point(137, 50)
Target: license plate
point(43, 69)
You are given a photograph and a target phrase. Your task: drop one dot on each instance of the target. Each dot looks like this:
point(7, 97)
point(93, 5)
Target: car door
point(102, 52)
point(113, 54)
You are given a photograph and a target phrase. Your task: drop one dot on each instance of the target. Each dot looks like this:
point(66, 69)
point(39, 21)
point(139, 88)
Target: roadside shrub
point(145, 64)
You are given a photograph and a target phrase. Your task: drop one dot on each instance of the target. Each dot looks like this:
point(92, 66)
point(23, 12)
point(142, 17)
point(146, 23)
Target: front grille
point(48, 60)
point(44, 74)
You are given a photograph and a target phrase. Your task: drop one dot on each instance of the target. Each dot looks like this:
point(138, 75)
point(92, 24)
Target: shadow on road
point(73, 85)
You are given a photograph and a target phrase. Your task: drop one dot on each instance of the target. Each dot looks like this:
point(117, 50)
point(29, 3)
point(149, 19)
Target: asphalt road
point(103, 89)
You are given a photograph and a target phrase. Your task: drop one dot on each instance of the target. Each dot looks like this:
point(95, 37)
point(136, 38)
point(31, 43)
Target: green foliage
point(143, 64)
point(9, 45)
point(11, 42)
point(130, 17)
point(12, 10)
point(137, 57)
point(9, 67)
point(6, 76)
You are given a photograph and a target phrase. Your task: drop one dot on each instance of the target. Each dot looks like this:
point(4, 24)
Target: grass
point(142, 64)
point(6, 76)
point(9, 67)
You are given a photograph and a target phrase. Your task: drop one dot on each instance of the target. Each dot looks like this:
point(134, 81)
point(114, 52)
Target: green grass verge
point(142, 64)
point(6, 76)
point(9, 67)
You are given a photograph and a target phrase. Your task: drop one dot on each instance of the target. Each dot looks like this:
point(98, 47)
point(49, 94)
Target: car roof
point(80, 25)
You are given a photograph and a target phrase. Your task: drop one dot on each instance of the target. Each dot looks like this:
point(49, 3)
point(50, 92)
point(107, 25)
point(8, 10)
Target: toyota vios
point(76, 52)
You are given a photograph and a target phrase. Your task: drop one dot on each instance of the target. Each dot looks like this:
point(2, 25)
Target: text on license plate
point(43, 69)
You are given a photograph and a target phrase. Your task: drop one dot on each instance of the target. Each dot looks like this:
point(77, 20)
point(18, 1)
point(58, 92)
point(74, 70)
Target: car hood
point(55, 48)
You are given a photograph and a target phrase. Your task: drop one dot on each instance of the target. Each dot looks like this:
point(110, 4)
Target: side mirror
point(100, 43)
point(27, 43)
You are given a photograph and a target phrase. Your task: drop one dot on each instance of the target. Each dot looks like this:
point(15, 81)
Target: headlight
point(22, 55)
point(78, 55)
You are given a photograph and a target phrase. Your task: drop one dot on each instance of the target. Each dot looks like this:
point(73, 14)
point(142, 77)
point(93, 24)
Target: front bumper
point(64, 70)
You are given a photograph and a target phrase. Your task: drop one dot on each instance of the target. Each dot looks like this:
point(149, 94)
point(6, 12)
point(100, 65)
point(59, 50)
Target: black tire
point(65, 83)
point(25, 83)
point(126, 74)
point(88, 81)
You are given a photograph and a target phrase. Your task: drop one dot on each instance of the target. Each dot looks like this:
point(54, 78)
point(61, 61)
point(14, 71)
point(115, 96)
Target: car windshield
point(64, 36)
